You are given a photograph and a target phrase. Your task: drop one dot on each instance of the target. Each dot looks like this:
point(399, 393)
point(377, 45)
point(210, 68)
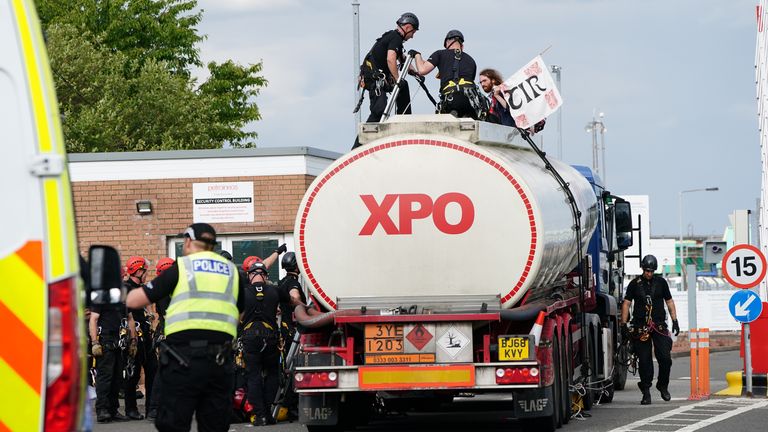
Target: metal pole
point(356, 56)
point(693, 330)
point(557, 70)
point(748, 359)
point(604, 172)
point(680, 243)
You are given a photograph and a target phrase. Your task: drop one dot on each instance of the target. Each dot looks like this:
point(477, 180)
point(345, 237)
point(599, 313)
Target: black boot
point(646, 400)
point(116, 416)
point(103, 416)
point(665, 394)
point(134, 415)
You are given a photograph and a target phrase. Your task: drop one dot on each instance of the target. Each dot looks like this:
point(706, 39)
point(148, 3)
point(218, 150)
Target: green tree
point(122, 73)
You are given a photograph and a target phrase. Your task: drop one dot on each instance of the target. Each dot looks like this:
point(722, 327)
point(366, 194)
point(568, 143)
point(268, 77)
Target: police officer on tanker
point(457, 69)
point(141, 346)
point(649, 293)
point(260, 342)
point(196, 364)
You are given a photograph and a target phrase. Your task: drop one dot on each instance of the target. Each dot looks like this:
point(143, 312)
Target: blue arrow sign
point(745, 306)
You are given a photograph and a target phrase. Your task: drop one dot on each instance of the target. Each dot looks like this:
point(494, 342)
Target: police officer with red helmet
point(141, 346)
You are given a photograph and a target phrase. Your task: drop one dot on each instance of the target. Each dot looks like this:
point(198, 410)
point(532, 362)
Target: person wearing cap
point(379, 71)
point(140, 347)
point(196, 364)
point(158, 324)
point(260, 342)
point(457, 70)
point(649, 293)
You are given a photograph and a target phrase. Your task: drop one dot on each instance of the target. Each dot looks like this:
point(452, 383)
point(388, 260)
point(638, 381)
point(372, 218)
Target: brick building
point(138, 201)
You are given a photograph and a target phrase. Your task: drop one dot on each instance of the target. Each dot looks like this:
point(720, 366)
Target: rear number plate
point(514, 348)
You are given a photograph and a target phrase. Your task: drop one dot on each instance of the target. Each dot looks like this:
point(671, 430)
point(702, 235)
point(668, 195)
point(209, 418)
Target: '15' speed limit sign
point(744, 266)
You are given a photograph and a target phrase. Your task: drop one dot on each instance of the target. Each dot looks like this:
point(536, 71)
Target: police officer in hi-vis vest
point(196, 364)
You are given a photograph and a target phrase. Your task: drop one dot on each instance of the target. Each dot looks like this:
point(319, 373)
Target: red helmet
point(249, 261)
point(134, 264)
point(163, 264)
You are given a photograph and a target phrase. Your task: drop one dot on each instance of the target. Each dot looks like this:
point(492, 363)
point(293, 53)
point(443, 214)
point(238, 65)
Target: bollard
point(693, 336)
point(703, 361)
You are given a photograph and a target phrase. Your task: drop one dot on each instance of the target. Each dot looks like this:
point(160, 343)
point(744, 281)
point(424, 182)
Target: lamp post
point(597, 127)
point(680, 240)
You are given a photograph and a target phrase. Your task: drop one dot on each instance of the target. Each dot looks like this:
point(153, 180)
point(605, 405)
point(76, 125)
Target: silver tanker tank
point(442, 207)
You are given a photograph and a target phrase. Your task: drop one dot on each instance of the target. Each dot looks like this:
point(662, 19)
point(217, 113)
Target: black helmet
point(454, 34)
point(226, 255)
point(258, 266)
point(289, 262)
point(649, 263)
point(409, 18)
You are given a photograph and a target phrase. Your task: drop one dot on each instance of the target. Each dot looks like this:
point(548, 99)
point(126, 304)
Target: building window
point(240, 246)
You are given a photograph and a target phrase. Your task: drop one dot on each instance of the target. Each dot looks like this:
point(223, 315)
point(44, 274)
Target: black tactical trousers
point(458, 104)
point(263, 378)
point(662, 347)
point(203, 389)
point(145, 359)
point(109, 376)
point(379, 103)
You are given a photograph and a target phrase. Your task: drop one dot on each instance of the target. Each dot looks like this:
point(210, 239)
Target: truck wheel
point(554, 421)
point(588, 398)
point(620, 373)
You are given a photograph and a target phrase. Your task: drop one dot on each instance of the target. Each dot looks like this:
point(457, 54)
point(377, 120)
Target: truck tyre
point(552, 422)
point(620, 373)
point(589, 340)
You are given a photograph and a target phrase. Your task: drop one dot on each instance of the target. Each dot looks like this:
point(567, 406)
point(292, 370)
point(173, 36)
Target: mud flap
point(319, 409)
point(533, 403)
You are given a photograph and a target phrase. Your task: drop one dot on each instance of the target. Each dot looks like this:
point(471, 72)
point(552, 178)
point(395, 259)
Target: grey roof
point(202, 154)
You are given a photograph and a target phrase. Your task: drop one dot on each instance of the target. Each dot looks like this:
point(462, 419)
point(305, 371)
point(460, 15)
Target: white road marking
point(735, 406)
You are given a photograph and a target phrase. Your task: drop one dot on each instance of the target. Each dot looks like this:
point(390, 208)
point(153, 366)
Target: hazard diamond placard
point(419, 338)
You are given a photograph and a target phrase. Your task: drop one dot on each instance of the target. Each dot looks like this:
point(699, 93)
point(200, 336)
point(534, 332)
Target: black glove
point(413, 52)
point(538, 127)
point(281, 249)
point(625, 333)
point(675, 327)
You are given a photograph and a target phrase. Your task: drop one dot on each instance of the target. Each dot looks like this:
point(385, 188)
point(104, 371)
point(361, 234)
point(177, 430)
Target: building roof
point(203, 154)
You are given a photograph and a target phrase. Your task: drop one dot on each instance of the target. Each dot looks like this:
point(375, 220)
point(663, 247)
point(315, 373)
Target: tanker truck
point(450, 257)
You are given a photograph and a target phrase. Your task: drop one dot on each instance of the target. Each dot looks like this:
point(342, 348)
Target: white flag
point(531, 94)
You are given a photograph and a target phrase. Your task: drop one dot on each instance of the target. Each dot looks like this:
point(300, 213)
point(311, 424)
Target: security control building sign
point(222, 202)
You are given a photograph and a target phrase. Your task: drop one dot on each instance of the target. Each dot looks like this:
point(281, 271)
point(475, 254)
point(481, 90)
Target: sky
point(674, 79)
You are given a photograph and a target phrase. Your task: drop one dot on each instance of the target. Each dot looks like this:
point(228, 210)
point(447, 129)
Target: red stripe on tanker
point(404, 216)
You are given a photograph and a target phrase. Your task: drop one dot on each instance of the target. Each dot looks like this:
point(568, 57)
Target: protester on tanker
point(498, 109)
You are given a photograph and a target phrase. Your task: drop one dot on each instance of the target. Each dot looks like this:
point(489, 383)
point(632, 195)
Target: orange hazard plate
point(415, 377)
point(383, 338)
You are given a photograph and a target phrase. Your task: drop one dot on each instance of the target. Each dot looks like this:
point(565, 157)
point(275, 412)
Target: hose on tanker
point(525, 312)
point(310, 318)
point(576, 213)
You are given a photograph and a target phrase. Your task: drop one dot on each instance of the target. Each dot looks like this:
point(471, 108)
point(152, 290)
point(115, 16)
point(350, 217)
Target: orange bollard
point(693, 336)
point(703, 357)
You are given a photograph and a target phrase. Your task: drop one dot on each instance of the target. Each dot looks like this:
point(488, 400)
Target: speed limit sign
point(744, 266)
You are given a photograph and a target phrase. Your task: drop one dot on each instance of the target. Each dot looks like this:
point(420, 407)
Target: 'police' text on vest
point(210, 266)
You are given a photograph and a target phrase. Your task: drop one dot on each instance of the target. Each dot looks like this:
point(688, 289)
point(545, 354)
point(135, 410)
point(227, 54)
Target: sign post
point(744, 267)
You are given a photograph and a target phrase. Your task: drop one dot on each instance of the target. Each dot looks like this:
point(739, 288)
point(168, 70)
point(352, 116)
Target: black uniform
point(145, 357)
point(154, 399)
point(288, 329)
point(260, 345)
point(458, 91)
point(651, 295)
point(375, 64)
point(109, 366)
point(203, 388)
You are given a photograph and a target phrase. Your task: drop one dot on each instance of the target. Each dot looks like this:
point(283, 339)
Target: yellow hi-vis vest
point(205, 297)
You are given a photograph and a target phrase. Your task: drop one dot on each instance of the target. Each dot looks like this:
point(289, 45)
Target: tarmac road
point(490, 412)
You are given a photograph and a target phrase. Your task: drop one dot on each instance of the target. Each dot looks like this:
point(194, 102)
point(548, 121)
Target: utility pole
point(557, 70)
point(356, 57)
point(596, 127)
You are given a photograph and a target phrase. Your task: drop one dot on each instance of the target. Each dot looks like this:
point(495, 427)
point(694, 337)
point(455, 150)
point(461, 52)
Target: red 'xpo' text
point(417, 206)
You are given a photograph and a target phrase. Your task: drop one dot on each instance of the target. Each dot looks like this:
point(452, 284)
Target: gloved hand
point(97, 350)
point(675, 327)
point(538, 127)
point(625, 333)
point(282, 249)
point(133, 347)
point(413, 52)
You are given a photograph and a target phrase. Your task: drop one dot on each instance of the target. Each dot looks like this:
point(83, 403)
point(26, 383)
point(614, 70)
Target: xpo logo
point(417, 206)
